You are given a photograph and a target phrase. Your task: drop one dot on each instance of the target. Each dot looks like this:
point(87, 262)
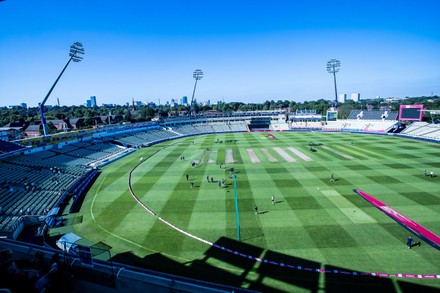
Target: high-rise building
point(184, 100)
point(356, 97)
point(342, 98)
point(93, 101)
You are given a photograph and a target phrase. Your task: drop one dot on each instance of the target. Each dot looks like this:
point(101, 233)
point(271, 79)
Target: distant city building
point(184, 100)
point(174, 102)
point(356, 97)
point(342, 98)
point(91, 102)
point(392, 100)
point(21, 105)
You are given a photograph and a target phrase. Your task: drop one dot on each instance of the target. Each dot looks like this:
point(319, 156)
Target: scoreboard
point(410, 112)
point(332, 115)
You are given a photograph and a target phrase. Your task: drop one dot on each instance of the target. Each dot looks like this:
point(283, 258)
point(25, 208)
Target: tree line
point(148, 112)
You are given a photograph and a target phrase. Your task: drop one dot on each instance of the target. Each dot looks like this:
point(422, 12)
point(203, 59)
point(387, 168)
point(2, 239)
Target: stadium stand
point(305, 120)
point(260, 123)
point(32, 184)
point(209, 127)
point(364, 121)
point(372, 115)
point(309, 125)
point(423, 130)
point(9, 147)
point(378, 126)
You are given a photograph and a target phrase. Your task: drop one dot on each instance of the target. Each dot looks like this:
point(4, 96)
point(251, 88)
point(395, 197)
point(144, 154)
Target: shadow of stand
point(298, 274)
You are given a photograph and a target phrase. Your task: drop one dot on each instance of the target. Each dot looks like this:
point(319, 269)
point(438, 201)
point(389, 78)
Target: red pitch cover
point(415, 228)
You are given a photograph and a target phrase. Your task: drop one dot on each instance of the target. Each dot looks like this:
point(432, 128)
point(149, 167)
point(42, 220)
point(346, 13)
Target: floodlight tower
point(333, 66)
point(75, 51)
point(198, 75)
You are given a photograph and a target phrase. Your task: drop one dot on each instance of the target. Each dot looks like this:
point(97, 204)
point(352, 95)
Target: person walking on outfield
point(409, 242)
point(207, 178)
point(187, 177)
point(424, 172)
point(192, 185)
point(332, 178)
point(431, 174)
point(273, 199)
point(256, 210)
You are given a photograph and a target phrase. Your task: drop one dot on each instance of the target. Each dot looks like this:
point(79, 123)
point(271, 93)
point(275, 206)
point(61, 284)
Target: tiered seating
point(131, 140)
point(372, 115)
point(414, 128)
point(424, 130)
point(155, 135)
point(86, 151)
point(8, 147)
point(192, 129)
point(220, 127)
point(333, 125)
point(237, 126)
point(186, 129)
point(358, 125)
point(306, 125)
point(33, 183)
point(380, 126)
point(160, 134)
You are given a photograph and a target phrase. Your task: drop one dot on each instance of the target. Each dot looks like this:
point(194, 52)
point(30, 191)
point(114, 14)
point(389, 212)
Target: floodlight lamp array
point(198, 74)
point(333, 66)
point(75, 50)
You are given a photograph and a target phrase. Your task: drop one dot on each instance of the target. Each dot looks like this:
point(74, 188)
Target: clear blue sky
point(249, 51)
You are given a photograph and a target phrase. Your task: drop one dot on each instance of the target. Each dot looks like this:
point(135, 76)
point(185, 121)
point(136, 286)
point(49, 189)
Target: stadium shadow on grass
point(303, 277)
point(347, 282)
point(410, 287)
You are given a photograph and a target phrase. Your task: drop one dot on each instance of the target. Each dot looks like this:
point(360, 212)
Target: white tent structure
point(67, 242)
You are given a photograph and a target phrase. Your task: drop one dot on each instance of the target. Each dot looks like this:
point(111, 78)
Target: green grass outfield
point(315, 223)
